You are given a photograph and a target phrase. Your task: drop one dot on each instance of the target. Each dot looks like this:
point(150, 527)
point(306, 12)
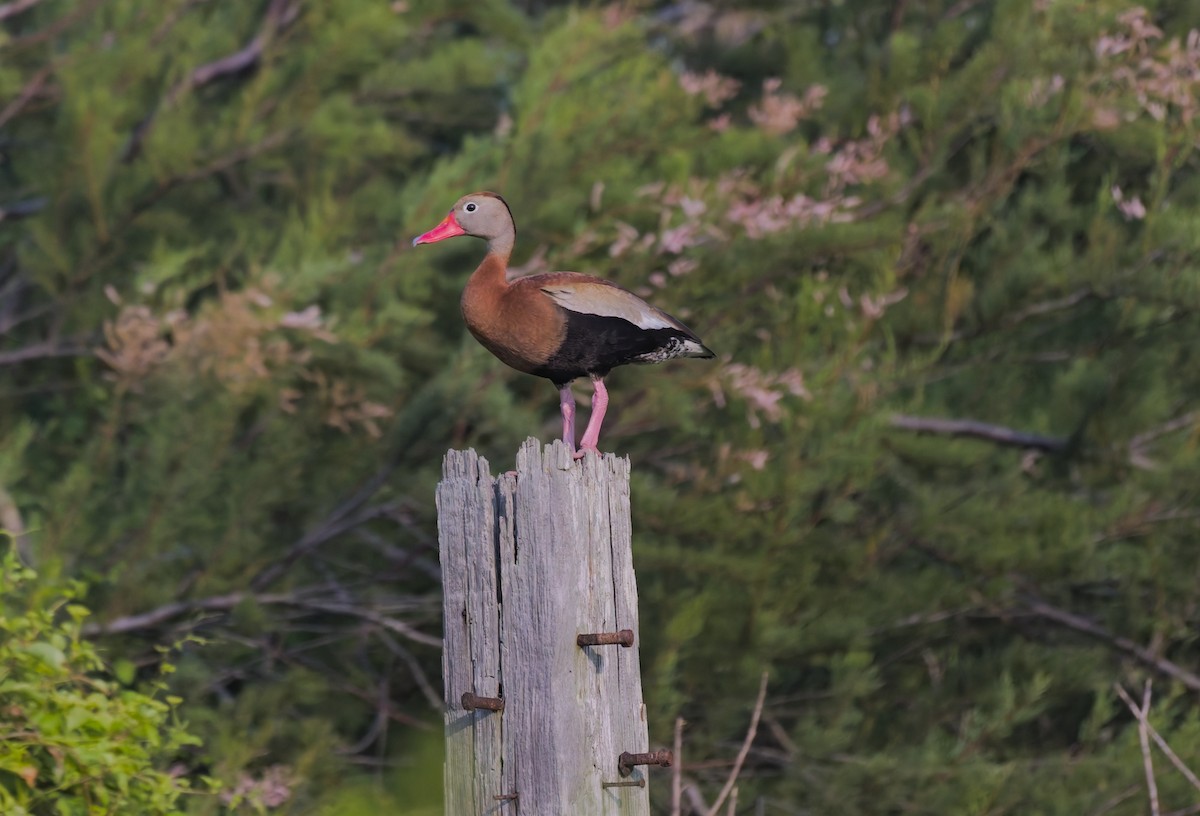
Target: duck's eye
point(470, 206)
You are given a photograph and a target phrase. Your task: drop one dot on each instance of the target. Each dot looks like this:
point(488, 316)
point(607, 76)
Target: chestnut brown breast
point(518, 323)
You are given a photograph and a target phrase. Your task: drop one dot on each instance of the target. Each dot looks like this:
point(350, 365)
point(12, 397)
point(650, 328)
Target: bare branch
point(13, 299)
point(164, 613)
point(60, 25)
point(695, 800)
point(1112, 803)
point(224, 603)
point(338, 522)
point(741, 757)
point(1049, 306)
point(172, 19)
point(377, 728)
point(1137, 445)
point(960, 8)
point(32, 88)
point(279, 14)
point(781, 736)
point(42, 351)
point(20, 209)
point(398, 556)
point(371, 697)
point(1039, 309)
point(1147, 760)
point(677, 769)
point(16, 7)
point(1122, 644)
point(418, 674)
point(922, 619)
point(998, 434)
point(1144, 721)
point(371, 616)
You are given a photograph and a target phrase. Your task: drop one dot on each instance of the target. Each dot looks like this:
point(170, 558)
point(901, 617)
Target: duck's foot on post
point(591, 435)
point(567, 404)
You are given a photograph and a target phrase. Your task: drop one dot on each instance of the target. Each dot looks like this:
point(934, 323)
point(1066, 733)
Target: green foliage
point(75, 739)
point(227, 383)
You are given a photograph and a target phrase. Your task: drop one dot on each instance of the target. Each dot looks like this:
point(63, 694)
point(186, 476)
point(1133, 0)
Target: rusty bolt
point(623, 638)
point(629, 783)
point(506, 797)
point(470, 702)
point(626, 761)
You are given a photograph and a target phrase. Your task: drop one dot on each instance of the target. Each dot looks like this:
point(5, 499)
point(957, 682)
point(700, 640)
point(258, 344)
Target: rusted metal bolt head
point(626, 761)
point(470, 702)
point(621, 638)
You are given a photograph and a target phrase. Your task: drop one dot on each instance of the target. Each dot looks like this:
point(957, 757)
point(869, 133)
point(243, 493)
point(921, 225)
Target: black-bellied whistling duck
point(560, 325)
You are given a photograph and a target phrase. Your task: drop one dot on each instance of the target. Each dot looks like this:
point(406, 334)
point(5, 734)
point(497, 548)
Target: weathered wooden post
point(537, 721)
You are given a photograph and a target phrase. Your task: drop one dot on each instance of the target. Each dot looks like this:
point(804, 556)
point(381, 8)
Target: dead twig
point(695, 800)
point(741, 757)
point(371, 616)
point(973, 429)
point(1122, 644)
point(16, 7)
point(677, 769)
point(42, 351)
point(51, 31)
point(1147, 760)
point(1144, 721)
point(32, 88)
point(414, 668)
point(164, 613)
point(344, 518)
point(960, 8)
point(1050, 306)
point(225, 603)
point(172, 19)
point(1112, 802)
point(20, 209)
point(279, 14)
point(1137, 446)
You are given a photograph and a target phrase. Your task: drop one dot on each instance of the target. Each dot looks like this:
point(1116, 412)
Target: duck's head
point(483, 215)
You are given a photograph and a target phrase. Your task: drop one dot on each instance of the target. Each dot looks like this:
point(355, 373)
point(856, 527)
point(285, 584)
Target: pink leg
point(591, 435)
point(567, 404)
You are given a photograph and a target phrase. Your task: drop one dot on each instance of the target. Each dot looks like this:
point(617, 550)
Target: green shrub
point(74, 739)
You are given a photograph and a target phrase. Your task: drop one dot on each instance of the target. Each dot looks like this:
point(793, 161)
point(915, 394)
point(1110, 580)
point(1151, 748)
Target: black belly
point(595, 344)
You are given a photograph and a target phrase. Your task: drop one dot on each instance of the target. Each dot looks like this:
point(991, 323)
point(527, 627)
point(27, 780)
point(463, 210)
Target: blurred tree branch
point(21, 209)
point(973, 429)
point(1141, 713)
point(16, 7)
point(57, 27)
point(279, 14)
point(301, 599)
point(1082, 625)
point(28, 93)
point(345, 517)
point(43, 351)
point(1137, 446)
point(741, 757)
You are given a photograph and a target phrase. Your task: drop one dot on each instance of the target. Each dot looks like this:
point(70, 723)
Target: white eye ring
point(469, 206)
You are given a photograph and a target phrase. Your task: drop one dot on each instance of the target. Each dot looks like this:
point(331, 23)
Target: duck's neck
point(492, 272)
point(488, 284)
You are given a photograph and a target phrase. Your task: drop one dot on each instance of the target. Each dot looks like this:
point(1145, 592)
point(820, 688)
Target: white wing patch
point(609, 301)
